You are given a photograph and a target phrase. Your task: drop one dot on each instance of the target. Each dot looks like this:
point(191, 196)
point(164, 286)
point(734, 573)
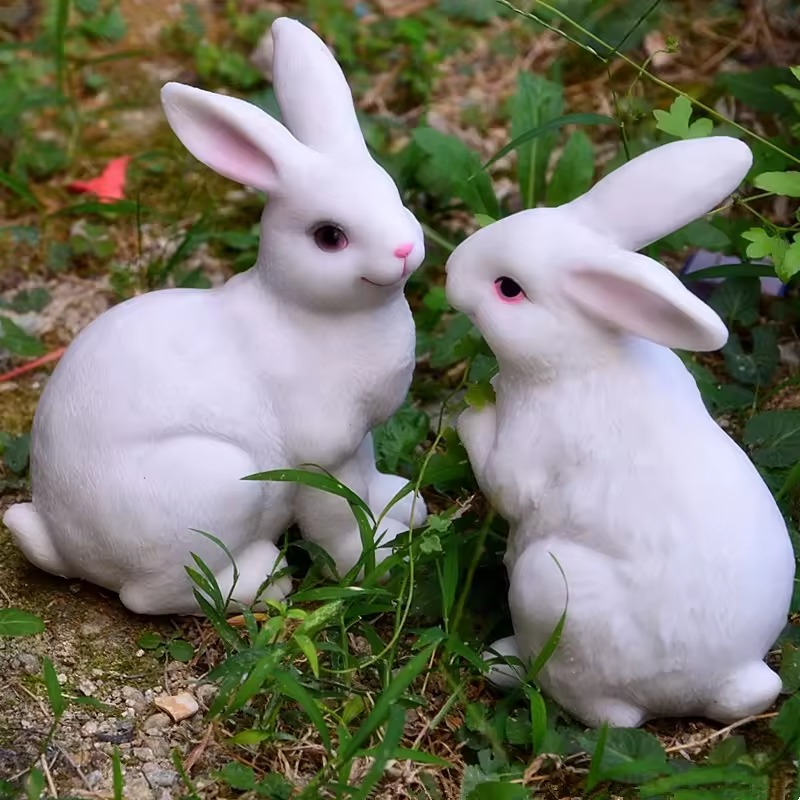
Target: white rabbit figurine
point(677, 566)
point(165, 402)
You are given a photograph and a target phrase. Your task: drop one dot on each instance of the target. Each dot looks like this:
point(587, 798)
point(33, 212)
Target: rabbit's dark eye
point(508, 289)
point(330, 238)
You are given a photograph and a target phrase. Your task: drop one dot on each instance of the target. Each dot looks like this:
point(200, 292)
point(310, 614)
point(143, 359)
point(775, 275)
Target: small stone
point(144, 753)
point(95, 624)
point(94, 778)
point(160, 747)
point(206, 692)
point(87, 687)
point(61, 678)
point(28, 663)
point(159, 777)
point(156, 723)
point(179, 707)
point(134, 699)
point(89, 728)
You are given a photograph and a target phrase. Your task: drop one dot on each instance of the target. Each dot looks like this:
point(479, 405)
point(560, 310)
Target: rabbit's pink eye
point(508, 290)
point(330, 238)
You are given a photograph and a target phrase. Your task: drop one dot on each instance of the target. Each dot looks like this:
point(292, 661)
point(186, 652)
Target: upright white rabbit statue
point(677, 567)
point(165, 402)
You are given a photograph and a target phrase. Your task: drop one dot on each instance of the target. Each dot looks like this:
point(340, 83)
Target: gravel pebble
point(28, 663)
point(156, 723)
point(158, 777)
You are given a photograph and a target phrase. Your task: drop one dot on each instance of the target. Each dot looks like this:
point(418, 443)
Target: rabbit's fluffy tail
point(32, 537)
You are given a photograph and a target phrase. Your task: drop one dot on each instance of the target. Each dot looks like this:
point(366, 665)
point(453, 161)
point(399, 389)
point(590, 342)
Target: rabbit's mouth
point(384, 285)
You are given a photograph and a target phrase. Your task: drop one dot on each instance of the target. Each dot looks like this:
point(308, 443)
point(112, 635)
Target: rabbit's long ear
point(636, 294)
point(232, 137)
point(313, 94)
point(663, 190)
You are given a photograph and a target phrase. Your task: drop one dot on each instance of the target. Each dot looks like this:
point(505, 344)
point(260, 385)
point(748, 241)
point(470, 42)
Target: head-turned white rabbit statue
point(165, 402)
point(677, 566)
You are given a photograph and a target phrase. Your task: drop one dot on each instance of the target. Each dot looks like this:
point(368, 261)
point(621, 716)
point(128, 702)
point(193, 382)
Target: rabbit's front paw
point(409, 509)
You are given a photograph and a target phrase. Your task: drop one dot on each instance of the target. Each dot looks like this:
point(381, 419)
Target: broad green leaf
point(54, 693)
point(757, 366)
point(727, 776)
point(676, 121)
point(790, 668)
point(790, 265)
point(249, 737)
point(398, 438)
point(700, 234)
point(630, 755)
point(766, 245)
point(484, 219)
point(786, 184)
point(181, 650)
point(238, 776)
point(16, 453)
point(34, 785)
point(453, 169)
point(16, 341)
point(728, 751)
point(573, 172)
point(536, 102)
point(774, 438)
point(479, 395)
point(499, 790)
point(149, 640)
point(737, 300)
point(16, 622)
point(755, 88)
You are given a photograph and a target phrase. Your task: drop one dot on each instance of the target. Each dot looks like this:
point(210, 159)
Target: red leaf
point(109, 185)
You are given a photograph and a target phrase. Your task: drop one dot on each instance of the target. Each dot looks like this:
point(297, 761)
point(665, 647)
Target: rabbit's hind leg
point(327, 520)
point(255, 564)
point(382, 488)
point(192, 484)
point(746, 692)
point(504, 676)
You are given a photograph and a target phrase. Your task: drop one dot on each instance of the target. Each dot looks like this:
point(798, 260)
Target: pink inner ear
point(218, 143)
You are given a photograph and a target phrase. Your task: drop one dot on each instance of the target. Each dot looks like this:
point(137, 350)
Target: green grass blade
point(596, 767)
point(316, 480)
point(741, 270)
point(392, 734)
point(116, 771)
point(19, 188)
point(292, 688)
point(57, 702)
point(551, 125)
point(394, 691)
point(62, 17)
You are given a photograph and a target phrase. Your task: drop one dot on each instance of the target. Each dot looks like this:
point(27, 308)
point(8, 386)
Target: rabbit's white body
point(677, 562)
point(677, 567)
point(164, 403)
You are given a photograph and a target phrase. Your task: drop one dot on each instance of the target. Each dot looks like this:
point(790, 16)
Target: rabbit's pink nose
point(404, 250)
